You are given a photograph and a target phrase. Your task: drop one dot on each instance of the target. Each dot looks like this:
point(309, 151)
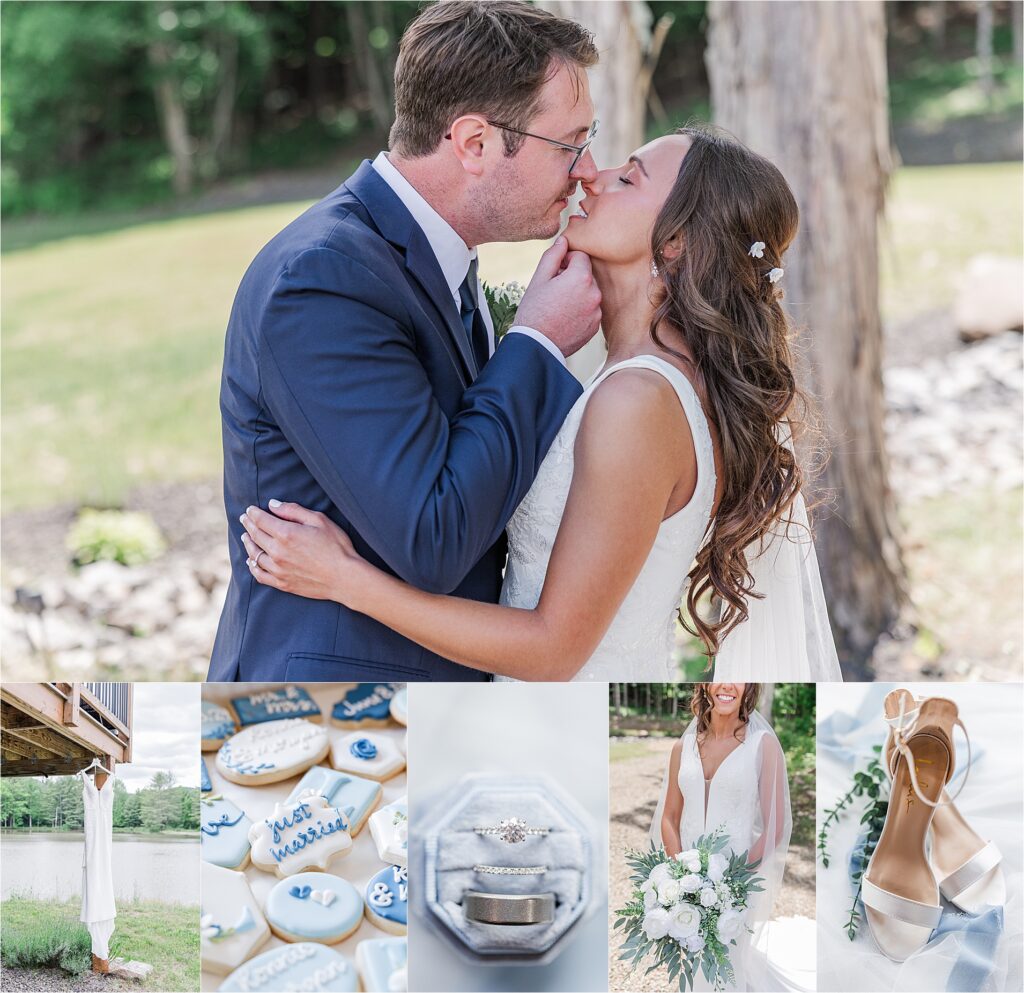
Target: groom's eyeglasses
point(580, 150)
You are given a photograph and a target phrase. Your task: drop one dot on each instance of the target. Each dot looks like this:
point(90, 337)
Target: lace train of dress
point(640, 640)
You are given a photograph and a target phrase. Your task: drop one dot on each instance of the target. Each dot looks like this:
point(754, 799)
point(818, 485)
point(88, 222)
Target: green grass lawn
point(112, 341)
point(165, 936)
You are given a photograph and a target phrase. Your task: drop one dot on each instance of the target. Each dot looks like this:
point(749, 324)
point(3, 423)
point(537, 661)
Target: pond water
point(48, 866)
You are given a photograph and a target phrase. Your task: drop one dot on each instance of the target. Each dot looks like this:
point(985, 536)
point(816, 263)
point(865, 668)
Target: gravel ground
point(44, 980)
point(635, 785)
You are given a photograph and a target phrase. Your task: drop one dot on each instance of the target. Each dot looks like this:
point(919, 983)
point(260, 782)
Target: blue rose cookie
point(369, 755)
point(382, 964)
point(366, 705)
point(309, 966)
point(314, 906)
point(387, 899)
point(354, 796)
point(274, 705)
point(224, 832)
point(217, 726)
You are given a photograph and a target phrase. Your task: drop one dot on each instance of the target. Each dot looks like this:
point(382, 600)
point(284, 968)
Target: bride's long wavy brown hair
point(729, 312)
point(702, 705)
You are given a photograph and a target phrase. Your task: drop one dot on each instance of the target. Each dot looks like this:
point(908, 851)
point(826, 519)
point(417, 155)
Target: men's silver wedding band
point(508, 908)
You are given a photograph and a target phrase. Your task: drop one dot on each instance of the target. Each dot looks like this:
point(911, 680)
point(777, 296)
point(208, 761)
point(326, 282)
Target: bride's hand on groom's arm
point(303, 552)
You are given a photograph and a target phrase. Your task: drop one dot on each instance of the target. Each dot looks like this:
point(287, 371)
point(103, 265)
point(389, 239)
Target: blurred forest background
point(55, 804)
point(150, 150)
point(645, 719)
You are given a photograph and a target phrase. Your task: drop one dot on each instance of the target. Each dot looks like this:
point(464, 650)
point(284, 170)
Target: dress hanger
point(95, 763)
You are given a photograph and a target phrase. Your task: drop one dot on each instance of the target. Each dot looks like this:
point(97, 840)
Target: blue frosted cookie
point(223, 832)
point(382, 964)
point(314, 906)
point(365, 705)
point(274, 705)
point(387, 899)
point(204, 777)
point(217, 726)
point(309, 966)
point(354, 796)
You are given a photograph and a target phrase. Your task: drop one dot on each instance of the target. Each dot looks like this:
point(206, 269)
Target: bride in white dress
point(672, 476)
point(728, 772)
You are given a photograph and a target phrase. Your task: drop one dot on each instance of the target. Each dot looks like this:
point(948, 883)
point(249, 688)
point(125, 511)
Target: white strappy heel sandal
point(967, 867)
point(900, 894)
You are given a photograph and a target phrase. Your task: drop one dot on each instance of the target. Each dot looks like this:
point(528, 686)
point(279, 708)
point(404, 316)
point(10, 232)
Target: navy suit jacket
point(349, 386)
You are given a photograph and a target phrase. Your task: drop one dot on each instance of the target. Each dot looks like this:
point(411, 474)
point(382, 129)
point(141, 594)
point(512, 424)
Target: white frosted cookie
point(304, 834)
point(400, 706)
point(387, 899)
point(314, 906)
point(217, 725)
point(389, 828)
point(309, 966)
point(372, 756)
point(231, 924)
point(268, 753)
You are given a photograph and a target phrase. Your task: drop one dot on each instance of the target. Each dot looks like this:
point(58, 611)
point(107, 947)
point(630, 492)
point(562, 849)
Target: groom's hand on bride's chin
point(562, 300)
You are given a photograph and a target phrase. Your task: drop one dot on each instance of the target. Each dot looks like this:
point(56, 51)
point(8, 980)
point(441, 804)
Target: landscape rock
point(990, 297)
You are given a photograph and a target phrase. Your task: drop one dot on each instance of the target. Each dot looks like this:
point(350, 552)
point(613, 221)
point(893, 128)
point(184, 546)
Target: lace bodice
point(638, 645)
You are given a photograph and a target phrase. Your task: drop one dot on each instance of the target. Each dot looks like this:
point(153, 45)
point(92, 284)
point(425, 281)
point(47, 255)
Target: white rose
point(668, 893)
point(730, 924)
point(690, 858)
point(656, 923)
point(685, 921)
point(650, 895)
point(708, 898)
point(695, 943)
point(660, 874)
point(717, 864)
point(690, 883)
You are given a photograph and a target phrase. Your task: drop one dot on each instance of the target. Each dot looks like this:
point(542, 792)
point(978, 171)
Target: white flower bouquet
point(688, 910)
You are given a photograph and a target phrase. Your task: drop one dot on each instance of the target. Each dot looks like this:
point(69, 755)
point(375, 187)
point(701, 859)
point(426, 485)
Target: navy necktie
point(472, 319)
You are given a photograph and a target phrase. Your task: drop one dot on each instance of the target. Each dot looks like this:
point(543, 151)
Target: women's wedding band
point(512, 870)
point(256, 561)
point(508, 908)
point(513, 830)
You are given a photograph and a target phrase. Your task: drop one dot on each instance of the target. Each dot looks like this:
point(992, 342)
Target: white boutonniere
point(503, 302)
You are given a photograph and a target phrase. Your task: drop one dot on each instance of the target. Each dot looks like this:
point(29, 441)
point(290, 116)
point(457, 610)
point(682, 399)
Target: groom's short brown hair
point(479, 56)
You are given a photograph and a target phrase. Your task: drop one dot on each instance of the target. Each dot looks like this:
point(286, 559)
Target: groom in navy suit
point(361, 377)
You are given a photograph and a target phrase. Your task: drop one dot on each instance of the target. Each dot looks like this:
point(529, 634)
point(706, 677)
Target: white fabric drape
point(787, 635)
point(766, 833)
point(98, 910)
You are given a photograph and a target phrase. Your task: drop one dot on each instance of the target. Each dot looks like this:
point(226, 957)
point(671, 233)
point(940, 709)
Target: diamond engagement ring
point(512, 870)
point(508, 908)
point(513, 830)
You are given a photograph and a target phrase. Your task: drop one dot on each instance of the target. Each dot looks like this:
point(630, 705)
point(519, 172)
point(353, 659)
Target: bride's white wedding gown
point(640, 640)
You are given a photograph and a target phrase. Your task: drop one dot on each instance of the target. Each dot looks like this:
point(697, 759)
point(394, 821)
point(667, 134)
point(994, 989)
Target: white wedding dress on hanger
point(748, 799)
point(98, 910)
point(787, 637)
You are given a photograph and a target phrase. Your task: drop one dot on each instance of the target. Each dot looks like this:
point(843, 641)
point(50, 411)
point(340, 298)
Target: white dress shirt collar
point(452, 253)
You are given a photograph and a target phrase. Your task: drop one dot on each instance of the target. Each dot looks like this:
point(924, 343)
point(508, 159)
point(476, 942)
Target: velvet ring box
point(451, 848)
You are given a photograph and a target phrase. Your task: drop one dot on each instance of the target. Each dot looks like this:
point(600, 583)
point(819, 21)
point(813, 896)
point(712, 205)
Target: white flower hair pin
point(776, 274)
point(757, 250)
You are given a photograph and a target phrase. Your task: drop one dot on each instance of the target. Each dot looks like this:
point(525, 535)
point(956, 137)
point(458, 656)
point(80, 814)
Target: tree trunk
point(983, 43)
point(622, 33)
point(173, 120)
point(1016, 25)
point(805, 85)
point(224, 104)
point(617, 698)
point(764, 704)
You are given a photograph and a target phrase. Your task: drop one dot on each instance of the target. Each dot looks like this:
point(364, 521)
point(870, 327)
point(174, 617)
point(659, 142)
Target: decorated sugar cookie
point(217, 726)
point(298, 836)
point(400, 706)
point(231, 924)
point(274, 705)
point(314, 906)
point(308, 966)
point(204, 777)
point(373, 756)
point(387, 899)
point(223, 832)
point(267, 753)
point(366, 705)
point(355, 797)
point(382, 964)
point(390, 830)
